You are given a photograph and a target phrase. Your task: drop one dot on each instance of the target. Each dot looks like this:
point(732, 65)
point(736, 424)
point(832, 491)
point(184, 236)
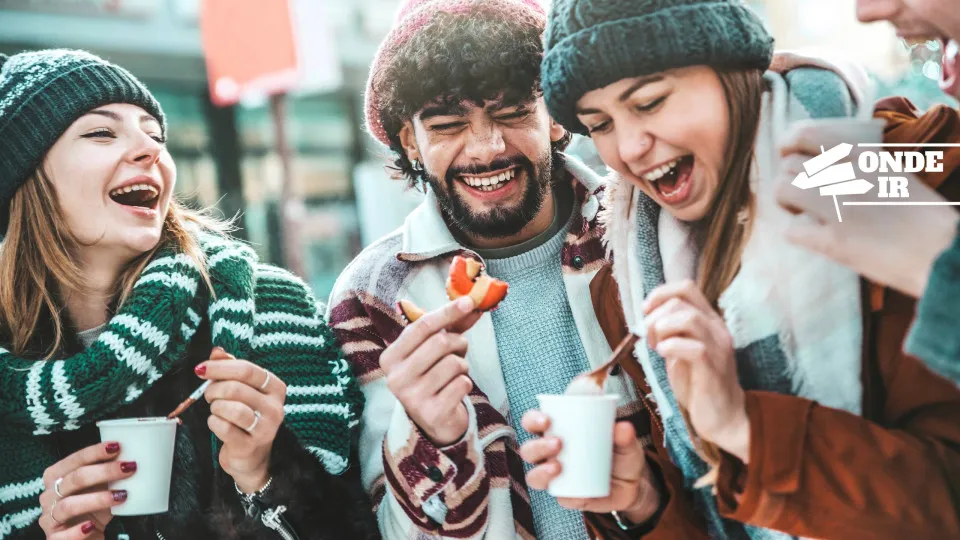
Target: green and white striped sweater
point(256, 311)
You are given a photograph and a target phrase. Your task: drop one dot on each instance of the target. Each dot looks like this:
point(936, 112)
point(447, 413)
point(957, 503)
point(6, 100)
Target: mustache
point(496, 165)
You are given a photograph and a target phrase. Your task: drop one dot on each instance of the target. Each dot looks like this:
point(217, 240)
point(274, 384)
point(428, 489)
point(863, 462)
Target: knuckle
point(246, 370)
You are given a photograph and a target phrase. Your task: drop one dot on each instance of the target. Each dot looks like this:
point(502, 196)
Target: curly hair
point(456, 58)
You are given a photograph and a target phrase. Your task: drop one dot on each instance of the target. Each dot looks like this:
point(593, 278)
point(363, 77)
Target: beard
point(500, 222)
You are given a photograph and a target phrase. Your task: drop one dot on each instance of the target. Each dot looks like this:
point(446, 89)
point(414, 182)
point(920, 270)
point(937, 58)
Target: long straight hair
point(725, 229)
point(38, 268)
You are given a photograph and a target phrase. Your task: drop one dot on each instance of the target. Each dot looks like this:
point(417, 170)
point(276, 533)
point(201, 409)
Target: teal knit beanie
point(593, 43)
point(41, 94)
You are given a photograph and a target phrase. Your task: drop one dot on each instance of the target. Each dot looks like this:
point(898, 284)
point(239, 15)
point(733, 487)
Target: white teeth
point(135, 187)
point(489, 183)
point(660, 172)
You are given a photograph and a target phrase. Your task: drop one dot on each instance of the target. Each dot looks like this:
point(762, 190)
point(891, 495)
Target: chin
point(140, 243)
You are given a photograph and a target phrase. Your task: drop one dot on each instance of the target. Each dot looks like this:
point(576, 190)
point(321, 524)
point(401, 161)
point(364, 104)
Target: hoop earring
point(417, 166)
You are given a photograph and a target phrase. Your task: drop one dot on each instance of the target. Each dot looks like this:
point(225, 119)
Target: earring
point(417, 166)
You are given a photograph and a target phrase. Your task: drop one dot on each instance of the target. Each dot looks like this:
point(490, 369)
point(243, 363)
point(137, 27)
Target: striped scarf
point(256, 312)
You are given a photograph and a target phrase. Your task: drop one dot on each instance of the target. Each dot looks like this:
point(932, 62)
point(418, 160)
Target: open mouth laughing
point(493, 185)
point(672, 180)
point(140, 195)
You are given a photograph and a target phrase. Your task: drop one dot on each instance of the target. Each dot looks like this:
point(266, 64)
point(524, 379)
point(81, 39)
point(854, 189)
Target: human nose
point(144, 150)
point(633, 145)
point(484, 143)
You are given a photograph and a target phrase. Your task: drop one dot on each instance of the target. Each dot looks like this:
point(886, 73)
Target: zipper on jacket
point(274, 520)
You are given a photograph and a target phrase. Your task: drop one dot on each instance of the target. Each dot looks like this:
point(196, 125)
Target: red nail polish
point(200, 370)
point(87, 527)
point(128, 466)
point(120, 495)
point(113, 447)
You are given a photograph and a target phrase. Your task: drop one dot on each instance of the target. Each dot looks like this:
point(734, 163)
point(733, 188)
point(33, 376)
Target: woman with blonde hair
point(779, 388)
point(117, 302)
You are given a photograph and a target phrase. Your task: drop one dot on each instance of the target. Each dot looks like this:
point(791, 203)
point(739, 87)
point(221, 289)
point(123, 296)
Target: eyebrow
point(114, 116)
point(442, 110)
point(638, 84)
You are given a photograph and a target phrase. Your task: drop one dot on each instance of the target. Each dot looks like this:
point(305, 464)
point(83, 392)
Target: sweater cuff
point(934, 337)
point(778, 427)
point(435, 485)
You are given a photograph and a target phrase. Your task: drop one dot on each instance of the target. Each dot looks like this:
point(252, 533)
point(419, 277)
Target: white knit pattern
point(20, 520)
point(275, 317)
point(133, 358)
point(21, 490)
point(233, 305)
point(65, 399)
point(242, 332)
point(332, 462)
point(176, 279)
point(35, 401)
point(317, 390)
point(37, 68)
point(286, 338)
point(144, 329)
point(338, 409)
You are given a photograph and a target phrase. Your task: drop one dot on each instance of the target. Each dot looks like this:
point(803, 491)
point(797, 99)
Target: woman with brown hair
point(117, 302)
point(783, 400)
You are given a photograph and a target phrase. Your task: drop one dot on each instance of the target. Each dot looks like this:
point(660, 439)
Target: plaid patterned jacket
point(475, 488)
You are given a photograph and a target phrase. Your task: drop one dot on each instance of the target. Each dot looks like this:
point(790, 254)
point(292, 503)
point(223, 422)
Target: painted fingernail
point(113, 447)
point(87, 527)
point(200, 370)
point(128, 466)
point(120, 495)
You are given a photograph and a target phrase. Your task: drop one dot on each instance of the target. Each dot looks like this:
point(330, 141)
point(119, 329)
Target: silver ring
point(53, 506)
point(56, 487)
point(266, 381)
point(256, 420)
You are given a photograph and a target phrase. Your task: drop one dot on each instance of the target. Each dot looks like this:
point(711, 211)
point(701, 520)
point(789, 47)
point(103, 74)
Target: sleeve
point(824, 473)
point(415, 486)
point(935, 336)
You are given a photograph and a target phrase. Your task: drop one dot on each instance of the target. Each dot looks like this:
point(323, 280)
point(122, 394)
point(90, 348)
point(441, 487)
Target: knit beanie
point(594, 43)
point(41, 94)
point(414, 16)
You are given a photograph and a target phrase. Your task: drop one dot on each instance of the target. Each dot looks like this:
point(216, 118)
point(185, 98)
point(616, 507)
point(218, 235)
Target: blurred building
point(225, 157)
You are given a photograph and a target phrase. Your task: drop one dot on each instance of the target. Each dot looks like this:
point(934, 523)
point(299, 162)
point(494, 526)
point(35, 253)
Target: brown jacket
point(816, 472)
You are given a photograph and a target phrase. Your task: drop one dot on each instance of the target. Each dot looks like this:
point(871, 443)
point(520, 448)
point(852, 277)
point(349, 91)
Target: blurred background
point(307, 182)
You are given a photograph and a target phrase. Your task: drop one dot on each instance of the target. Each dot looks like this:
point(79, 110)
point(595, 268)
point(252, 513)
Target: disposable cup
point(584, 424)
point(148, 442)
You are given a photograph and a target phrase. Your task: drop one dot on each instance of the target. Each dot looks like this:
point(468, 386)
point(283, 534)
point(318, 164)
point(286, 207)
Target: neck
point(89, 308)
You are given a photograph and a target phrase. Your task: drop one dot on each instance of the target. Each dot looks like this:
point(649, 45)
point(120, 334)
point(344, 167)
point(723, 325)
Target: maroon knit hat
point(413, 16)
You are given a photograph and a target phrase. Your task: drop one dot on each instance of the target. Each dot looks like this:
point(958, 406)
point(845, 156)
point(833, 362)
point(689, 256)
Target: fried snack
point(466, 278)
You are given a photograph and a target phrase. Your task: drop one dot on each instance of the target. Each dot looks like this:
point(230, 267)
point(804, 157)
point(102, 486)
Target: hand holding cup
point(76, 501)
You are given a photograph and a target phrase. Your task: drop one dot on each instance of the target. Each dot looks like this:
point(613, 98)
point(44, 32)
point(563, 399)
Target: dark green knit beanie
point(41, 94)
point(593, 43)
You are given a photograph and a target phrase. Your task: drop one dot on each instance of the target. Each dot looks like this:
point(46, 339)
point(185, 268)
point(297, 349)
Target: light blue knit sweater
point(540, 352)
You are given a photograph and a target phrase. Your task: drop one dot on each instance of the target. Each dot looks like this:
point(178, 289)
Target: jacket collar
point(427, 236)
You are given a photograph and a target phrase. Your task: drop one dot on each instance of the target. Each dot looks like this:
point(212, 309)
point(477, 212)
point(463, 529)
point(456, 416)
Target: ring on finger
point(266, 381)
point(56, 487)
point(256, 420)
point(53, 507)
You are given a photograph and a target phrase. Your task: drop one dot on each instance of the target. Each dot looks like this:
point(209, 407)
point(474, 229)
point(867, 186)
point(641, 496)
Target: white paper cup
point(585, 425)
point(148, 442)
